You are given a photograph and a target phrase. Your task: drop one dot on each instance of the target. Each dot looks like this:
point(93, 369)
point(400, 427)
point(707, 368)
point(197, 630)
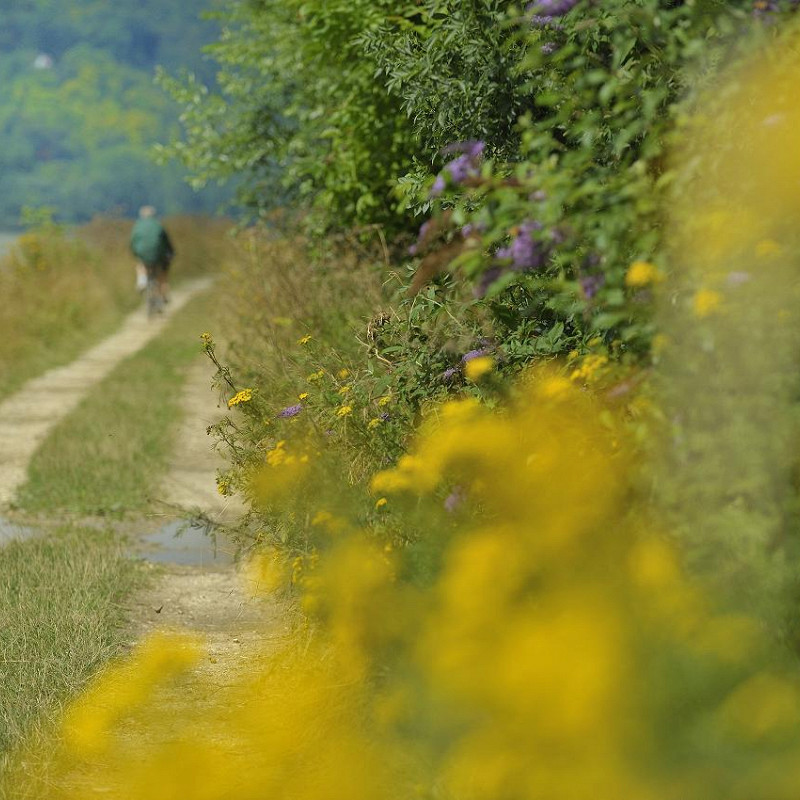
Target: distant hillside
point(79, 112)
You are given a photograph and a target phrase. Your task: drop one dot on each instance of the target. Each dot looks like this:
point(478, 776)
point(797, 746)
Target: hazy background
point(79, 109)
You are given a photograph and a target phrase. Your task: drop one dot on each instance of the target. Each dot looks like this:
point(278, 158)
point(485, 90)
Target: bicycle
point(154, 298)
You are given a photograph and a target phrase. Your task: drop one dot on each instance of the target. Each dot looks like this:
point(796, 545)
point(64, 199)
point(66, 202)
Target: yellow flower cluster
point(305, 339)
point(641, 274)
point(591, 369)
point(344, 411)
point(316, 376)
point(245, 396)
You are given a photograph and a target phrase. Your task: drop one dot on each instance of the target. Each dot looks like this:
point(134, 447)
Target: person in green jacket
point(151, 244)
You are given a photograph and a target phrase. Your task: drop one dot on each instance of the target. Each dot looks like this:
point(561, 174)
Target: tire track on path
point(28, 416)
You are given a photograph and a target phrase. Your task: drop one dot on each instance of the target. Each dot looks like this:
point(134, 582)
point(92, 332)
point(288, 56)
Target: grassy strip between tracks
point(61, 618)
point(108, 456)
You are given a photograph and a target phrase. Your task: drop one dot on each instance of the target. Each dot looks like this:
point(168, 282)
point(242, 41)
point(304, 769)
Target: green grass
point(61, 618)
point(108, 455)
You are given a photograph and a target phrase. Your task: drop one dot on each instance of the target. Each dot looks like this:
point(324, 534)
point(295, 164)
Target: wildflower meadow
point(509, 380)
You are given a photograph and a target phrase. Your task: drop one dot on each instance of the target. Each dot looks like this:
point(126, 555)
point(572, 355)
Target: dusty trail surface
point(28, 416)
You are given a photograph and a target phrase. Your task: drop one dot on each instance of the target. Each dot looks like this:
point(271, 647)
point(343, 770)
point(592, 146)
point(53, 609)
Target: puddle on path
point(11, 532)
point(178, 542)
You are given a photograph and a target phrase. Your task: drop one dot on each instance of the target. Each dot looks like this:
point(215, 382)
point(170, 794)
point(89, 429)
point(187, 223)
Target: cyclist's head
point(146, 212)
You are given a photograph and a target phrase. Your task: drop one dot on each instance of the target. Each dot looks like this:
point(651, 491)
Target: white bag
point(141, 277)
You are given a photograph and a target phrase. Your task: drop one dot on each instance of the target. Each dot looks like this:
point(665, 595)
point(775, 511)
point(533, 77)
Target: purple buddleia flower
point(439, 186)
point(526, 251)
point(591, 285)
point(467, 357)
point(466, 165)
point(290, 411)
point(472, 148)
point(552, 8)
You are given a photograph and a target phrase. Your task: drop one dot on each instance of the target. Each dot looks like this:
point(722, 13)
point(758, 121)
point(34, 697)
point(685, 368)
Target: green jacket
point(150, 243)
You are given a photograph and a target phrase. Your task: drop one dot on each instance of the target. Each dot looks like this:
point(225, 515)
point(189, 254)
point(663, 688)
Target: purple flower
point(472, 148)
point(591, 285)
point(526, 251)
point(539, 196)
point(548, 9)
point(548, 48)
point(466, 165)
point(473, 354)
point(449, 374)
point(385, 417)
point(438, 187)
point(290, 411)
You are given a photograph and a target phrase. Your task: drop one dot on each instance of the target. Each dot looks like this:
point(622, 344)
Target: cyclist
point(151, 244)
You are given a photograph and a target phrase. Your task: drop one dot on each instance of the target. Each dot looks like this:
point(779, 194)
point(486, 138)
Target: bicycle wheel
point(155, 303)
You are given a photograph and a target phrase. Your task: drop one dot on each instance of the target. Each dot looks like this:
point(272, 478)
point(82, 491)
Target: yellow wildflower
point(344, 390)
point(478, 367)
point(245, 396)
point(385, 400)
point(642, 273)
point(206, 337)
point(590, 369)
point(705, 302)
point(374, 423)
point(305, 340)
point(343, 373)
point(381, 502)
point(344, 411)
point(303, 396)
point(315, 376)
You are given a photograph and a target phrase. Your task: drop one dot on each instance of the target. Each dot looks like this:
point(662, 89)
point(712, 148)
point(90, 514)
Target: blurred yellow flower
point(705, 302)
point(374, 423)
point(315, 376)
point(642, 273)
point(344, 390)
point(344, 411)
point(206, 337)
point(381, 502)
point(305, 340)
point(385, 400)
point(303, 396)
point(343, 373)
point(478, 367)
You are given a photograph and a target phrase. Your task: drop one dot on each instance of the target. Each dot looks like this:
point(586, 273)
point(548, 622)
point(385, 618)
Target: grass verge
point(108, 455)
point(60, 619)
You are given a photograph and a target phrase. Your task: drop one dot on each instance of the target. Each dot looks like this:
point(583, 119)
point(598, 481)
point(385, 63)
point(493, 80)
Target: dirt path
point(28, 416)
point(191, 482)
